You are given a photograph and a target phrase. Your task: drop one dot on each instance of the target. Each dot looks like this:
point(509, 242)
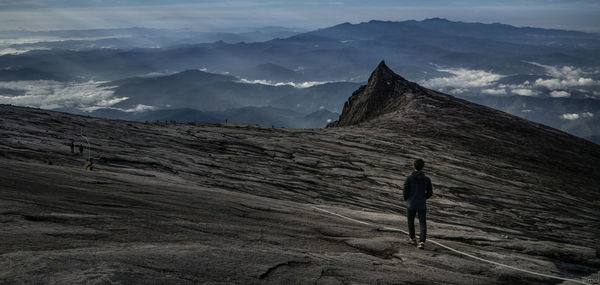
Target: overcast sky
point(227, 14)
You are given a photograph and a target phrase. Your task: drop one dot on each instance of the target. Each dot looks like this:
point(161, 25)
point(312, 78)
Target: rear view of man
point(417, 189)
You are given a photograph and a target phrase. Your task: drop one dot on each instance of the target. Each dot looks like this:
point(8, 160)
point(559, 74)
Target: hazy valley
point(548, 76)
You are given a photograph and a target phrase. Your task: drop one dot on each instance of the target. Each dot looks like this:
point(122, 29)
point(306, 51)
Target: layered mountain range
point(187, 203)
point(343, 52)
point(200, 97)
point(547, 76)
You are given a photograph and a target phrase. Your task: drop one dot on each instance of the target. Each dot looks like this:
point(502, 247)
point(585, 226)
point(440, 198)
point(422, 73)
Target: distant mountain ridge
point(206, 91)
point(376, 28)
point(338, 53)
point(419, 50)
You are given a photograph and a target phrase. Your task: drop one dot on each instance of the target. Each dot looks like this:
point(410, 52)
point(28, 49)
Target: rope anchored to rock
point(453, 249)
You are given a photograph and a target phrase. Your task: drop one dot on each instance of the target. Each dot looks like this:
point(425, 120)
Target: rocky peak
point(383, 73)
point(385, 92)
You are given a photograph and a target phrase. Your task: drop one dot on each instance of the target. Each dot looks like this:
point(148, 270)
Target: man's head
point(418, 164)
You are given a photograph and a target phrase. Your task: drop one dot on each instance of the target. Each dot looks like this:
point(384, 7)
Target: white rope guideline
point(452, 249)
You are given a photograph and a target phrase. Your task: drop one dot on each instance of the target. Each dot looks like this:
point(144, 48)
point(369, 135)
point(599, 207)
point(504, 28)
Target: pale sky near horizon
point(212, 15)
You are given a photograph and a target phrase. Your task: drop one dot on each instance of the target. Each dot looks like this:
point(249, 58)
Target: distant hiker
point(417, 189)
point(72, 145)
point(80, 149)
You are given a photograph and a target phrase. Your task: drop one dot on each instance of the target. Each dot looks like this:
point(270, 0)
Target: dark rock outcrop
point(386, 92)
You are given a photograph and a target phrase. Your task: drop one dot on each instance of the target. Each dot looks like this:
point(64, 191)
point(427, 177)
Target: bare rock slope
point(185, 204)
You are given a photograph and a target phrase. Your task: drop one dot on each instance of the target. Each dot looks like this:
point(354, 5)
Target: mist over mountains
point(21, 41)
point(547, 76)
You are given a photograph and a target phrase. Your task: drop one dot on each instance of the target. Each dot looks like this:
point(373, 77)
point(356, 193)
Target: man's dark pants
point(410, 213)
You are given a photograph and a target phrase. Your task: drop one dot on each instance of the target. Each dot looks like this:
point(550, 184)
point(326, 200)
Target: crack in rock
point(287, 263)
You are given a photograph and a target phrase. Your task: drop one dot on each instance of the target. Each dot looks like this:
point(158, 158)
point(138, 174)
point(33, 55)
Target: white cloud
point(569, 116)
point(525, 84)
point(48, 94)
point(575, 116)
point(558, 94)
point(501, 91)
point(563, 77)
point(6, 51)
point(557, 83)
point(462, 78)
point(548, 83)
point(140, 108)
point(26, 40)
point(293, 84)
point(5, 42)
point(458, 90)
point(523, 92)
point(6, 45)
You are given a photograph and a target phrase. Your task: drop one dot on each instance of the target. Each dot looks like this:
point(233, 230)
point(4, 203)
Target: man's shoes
point(412, 241)
point(421, 245)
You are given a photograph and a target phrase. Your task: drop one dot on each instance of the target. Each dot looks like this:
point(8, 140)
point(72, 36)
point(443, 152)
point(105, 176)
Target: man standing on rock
point(417, 189)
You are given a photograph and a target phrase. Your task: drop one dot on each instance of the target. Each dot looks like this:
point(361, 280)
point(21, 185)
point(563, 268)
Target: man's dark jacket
point(417, 189)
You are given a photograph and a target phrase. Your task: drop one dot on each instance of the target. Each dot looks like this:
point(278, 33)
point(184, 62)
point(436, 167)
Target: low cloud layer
point(558, 94)
point(557, 82)
point(5, 51)
point(523, 92)
point(47, 94)
point(462, 78)
point(138, 108)
point(575, 116)
point(564, 77)
point(293, 84)
point(492, 91)
point(20, 45)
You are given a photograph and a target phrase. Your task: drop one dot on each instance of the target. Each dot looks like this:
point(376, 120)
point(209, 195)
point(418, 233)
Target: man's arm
point(406, 189)
point(429, 190)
